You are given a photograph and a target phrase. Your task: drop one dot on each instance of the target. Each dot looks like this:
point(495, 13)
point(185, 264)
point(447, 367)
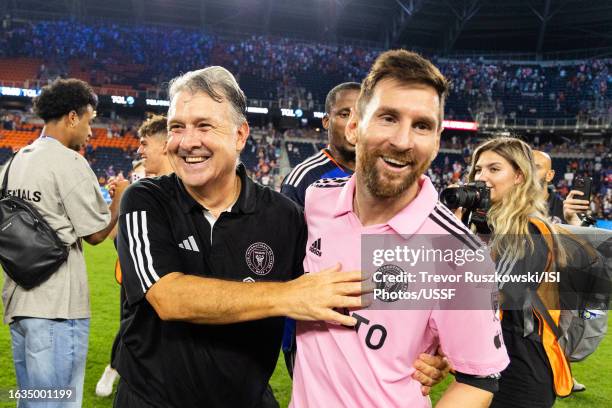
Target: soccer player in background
point(338, 158)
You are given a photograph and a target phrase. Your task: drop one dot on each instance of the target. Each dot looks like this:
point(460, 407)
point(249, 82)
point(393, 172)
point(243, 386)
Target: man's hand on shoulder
point(430, 370)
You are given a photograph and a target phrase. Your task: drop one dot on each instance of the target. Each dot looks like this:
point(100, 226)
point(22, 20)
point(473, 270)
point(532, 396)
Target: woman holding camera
point(520, 242)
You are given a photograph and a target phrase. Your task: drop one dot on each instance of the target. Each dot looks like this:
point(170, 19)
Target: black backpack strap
point(538, 305)
point(6, 173)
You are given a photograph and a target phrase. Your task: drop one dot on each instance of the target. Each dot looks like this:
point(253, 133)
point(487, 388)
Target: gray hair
point(218, 83)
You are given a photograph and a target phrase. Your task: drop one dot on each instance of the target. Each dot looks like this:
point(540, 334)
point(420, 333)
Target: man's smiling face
point(204, 142)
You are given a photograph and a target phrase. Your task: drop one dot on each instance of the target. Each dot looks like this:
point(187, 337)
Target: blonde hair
point(509, 217)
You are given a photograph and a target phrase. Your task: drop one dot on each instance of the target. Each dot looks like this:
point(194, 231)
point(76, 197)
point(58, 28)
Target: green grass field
point(595, 372)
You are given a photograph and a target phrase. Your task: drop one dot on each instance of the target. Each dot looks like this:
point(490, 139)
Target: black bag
point(30, 250)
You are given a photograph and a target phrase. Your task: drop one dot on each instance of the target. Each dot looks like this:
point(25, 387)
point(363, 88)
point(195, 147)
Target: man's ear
point(325, 121)
point(242, 134)
point(351, 128)
point(71, 118)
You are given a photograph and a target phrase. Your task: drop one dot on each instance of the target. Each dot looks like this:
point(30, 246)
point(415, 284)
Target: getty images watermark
point(454, 272)
point(36, 395)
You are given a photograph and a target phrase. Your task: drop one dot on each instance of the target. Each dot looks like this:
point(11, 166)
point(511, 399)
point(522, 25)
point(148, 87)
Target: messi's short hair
point(405, 67)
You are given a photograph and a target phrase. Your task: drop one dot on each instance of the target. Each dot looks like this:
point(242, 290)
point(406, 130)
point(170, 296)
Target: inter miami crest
point(260, 258)
point(391, 287)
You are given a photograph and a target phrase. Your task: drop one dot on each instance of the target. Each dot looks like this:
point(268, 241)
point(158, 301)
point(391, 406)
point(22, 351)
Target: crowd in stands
point(295, 73)
point(263, 153)
point(11, 121)
point(299, 74)
point(533, 91)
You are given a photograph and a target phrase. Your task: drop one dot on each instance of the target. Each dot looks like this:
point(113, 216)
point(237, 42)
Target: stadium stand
point(118, 59)
point(299, 151)
point(272, 69)
point(110, 153)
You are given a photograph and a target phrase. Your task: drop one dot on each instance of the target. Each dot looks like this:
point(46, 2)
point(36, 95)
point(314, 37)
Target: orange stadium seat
point(100, 139)
point(19, 69)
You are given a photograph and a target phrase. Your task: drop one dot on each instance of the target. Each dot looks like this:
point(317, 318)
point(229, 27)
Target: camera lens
point(465, 196)
point(452, 197)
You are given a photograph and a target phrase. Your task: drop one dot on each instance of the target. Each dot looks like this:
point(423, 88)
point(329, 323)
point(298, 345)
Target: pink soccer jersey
point(371, 365)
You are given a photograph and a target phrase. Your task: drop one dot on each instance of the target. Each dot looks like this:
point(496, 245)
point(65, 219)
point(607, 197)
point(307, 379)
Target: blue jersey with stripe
point(316, 167)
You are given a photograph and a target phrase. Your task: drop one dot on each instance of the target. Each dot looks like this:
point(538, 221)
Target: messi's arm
point(464, 395)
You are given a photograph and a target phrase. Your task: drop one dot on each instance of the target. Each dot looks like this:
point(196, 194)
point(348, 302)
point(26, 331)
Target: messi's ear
point(351, 127)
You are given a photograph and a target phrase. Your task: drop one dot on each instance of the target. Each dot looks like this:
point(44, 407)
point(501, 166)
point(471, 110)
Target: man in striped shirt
point(338, 158)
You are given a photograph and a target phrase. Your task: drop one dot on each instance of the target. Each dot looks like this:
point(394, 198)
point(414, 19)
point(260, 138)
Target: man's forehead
point(153, 137)
point(389, 87)
point(388, 94)
point(542, 159)
point(345, 97)
point(191, 103)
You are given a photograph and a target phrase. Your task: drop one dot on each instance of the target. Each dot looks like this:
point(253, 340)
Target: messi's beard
point(388, 185)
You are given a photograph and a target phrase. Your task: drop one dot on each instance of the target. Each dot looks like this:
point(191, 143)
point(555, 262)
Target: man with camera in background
point(561, 211)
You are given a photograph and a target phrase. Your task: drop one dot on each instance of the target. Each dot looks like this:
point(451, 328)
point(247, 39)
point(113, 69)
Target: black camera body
point(471, 196)
point(475, 198)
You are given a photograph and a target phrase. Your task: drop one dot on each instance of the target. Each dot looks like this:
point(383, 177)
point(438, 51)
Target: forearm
point(101, 235)
point(113, 234)
point(196, 299)
point(202, 300)
point(114, 210)
point(98, 237)
point(463, 395)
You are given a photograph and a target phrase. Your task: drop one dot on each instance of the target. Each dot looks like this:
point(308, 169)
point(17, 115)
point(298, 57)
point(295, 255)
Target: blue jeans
point(50, 354)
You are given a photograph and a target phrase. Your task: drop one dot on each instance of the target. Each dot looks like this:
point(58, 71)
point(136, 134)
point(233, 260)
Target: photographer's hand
point(572, 207)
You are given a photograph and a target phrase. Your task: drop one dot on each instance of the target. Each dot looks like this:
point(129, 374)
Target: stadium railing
point(546, 124)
